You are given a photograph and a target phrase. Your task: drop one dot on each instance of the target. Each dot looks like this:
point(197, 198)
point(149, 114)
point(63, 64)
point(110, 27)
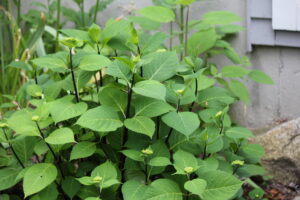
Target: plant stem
point(157, 127)
point(51, 150)
point(186, 30)
point(204, 151)
point(171, 36)
point(171, 130)
point(12, 149)
point(100, 72)
point(96, 11)
point(82, 14)
point(96, 82)
point(73, 78)
point(19, 12)
point(57, 25)
point(181, 35)
point(196, 92)
point(187, 192)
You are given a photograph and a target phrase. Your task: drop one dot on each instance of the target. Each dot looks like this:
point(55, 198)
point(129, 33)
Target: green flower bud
point(35, 118)
point(71, 42)
point(147, 151)
point(237, 162)
point(97, 179)
point(218, 114)
point(3, 125)
point(188, 170)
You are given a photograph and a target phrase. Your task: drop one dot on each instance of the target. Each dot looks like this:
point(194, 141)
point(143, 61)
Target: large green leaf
point(240, 90)
point(234, 71)
point(23, 146)
point(108, 173)
point(149, 107)
point(252, 152)
point(114, 97)
point(163, 189)
point(238, 133)
point(220, 17)
point(184, 122)
point(61, 136)
point(102, 119)
point(220, 185)
point(120, 70)
point(201, 41)
point(94, 62)
point(204, 82)
point(8, 178)
point(83, 150)
point(215, 94)
point(49, 193)
point(37, 177)
point(133, 154)
point(150, 88)
point(260, 77)
point(162, 66)
point(185, 162)
point(141, 124)
point(157, 13)
point(22, 123)
point(64, 109)
point(50, 62)
point(70, 186)
point(159, 162)
point(195, 186)
point(133, 190)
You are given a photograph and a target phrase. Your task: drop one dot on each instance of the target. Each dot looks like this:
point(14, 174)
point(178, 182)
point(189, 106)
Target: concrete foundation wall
point(270, 104)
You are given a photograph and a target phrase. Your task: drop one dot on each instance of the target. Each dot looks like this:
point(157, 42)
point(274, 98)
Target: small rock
point(282, 146)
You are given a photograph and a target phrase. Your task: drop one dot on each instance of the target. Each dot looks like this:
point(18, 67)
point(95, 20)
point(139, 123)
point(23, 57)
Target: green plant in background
point(121, 116)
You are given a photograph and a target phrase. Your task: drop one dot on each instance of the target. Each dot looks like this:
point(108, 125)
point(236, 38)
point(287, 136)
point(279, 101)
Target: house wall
point(270, 104)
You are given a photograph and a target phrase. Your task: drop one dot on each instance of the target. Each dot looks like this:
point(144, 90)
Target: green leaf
point(22, 123)
point(238, 133)
point(252, 152)
point(49, 193)
point(24, 146)
point(108, 172)
point(145, 23)
point(220, 185)
point(204, 82)
point(220, 17)
point(20, 65)
point(78, 34)
point(159, 162)
point(50, 62)
point(120, 70)
point(150, 43)
point(133, 190)
point(149, 107)
point(195, 186)
point(157, 13)
point(201, 41)
point(114, 97)
point(64, 109)
point(94, 32)
point(94, 62)
point(37, 177)
point(133, 154)
point(184, 2)
point(184, 122)
point(61, 136)
point(141, 124)
point(163, 189)
point(215, 94)
point(250, 170)
point(150, 88)
point(8, 178)
point(234, 71)
point(185, 162)
point(102, 119)
point(162, 66)
point(83, 150)
point(260, 77)
point(240, 90)
point(70, 186)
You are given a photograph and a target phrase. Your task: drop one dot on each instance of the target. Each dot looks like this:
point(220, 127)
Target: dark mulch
point(275, 190)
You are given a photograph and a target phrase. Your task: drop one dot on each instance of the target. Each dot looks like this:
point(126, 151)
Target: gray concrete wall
point(270, 104)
